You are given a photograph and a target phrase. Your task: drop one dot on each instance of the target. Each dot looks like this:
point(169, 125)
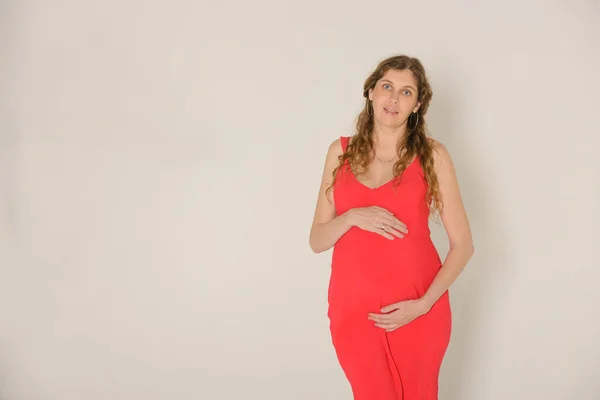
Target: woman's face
point(394, 97)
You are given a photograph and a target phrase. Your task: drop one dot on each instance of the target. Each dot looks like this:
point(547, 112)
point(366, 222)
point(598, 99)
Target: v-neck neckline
point(383, 184)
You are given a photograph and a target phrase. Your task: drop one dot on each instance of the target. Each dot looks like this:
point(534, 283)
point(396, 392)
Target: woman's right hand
point(378, 220)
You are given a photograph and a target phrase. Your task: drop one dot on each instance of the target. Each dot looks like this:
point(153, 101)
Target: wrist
point(426, 304)
point(348, 218)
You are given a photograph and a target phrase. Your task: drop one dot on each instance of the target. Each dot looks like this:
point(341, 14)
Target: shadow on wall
point(474, 290)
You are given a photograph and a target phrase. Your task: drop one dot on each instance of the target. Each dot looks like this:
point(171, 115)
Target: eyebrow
point(407, 86)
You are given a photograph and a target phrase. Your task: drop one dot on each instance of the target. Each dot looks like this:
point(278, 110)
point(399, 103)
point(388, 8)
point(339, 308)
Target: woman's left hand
point(399, 314)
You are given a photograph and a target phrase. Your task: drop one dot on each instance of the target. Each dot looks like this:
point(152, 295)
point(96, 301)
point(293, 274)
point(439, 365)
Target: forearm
point(324, 235)
point(455, 262)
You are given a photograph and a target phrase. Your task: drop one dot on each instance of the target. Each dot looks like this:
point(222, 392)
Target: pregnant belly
point(368, 269)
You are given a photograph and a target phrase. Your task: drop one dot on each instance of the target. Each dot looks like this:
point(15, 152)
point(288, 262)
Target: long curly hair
point(415, 142)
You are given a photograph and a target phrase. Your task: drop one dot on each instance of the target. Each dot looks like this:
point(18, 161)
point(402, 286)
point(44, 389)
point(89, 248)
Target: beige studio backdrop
point(159, 169)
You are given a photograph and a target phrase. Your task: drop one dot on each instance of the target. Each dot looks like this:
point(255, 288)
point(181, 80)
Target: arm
point(456, 224)
point(326, 227)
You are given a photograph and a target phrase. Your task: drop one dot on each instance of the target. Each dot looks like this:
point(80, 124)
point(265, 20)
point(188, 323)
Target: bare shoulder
point(441, 155)
point(325, 209)
point(335, 148)
point(334, 152)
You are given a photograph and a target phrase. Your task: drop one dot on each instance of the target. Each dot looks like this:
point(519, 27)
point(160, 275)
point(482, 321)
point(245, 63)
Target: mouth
point(390, 111)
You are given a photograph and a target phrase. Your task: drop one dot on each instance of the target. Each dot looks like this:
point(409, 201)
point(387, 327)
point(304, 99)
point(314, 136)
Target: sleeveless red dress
point(368, 272)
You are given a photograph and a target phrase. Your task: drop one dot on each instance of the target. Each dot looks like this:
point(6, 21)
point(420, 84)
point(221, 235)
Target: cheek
point(409, 103)
point(380, 98)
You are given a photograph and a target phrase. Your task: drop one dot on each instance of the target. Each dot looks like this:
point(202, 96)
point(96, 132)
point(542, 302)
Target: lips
point(390, 111)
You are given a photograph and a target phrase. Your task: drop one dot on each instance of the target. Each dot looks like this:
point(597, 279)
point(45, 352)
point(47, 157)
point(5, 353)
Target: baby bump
point(375, 271)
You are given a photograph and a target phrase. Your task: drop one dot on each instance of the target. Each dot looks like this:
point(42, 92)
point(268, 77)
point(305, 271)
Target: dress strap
point(344, 141)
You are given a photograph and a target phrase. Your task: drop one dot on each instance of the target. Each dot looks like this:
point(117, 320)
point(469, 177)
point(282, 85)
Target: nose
point(394, 97)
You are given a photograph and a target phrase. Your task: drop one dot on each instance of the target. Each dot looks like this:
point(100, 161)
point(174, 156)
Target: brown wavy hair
point(414, 143)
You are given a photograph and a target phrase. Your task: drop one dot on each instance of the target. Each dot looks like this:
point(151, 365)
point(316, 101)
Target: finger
point(394, 232)
point(384, 234)
point(386, 326)
point(391, 221)
point(396, 223)
point(389, 308)
point(391, 230)
point(382, 319)
point(402, 323)
point(400, 227)
point(381, 229)
point(382, 314)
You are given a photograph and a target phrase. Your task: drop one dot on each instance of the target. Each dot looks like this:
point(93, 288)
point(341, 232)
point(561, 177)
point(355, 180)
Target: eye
point(407, 92)
point(386, 84)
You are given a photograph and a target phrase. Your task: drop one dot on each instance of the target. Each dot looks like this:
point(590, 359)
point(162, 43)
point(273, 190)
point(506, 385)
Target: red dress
point(369, 271)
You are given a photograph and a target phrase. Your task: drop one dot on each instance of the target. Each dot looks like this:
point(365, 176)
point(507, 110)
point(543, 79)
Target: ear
point(371, 94)
point(417, 107)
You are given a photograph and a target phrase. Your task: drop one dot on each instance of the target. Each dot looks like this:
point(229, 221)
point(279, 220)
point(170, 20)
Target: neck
point(388, 137)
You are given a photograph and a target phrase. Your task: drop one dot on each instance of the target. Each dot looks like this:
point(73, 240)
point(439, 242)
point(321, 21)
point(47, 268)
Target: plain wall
point(159, 167)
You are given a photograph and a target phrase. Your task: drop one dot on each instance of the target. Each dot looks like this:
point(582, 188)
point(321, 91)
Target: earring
point(415, 124)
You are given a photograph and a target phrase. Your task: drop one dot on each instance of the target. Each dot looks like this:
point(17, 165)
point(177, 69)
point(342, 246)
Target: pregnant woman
point(389, 308)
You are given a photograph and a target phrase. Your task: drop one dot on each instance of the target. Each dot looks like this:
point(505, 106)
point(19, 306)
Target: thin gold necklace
point(386, 161)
